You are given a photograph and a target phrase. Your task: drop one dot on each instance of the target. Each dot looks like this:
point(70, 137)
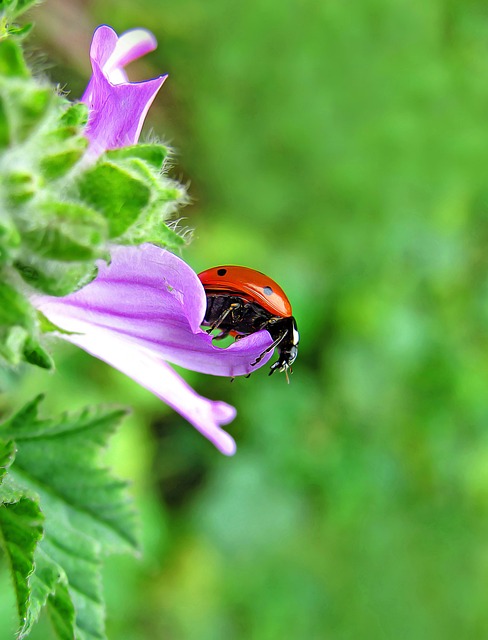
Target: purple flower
point(117, 107)
point(144, 310)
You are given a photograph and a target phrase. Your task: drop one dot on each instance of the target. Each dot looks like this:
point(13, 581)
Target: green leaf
point(7, 455)
point(62, 613)
point(87, 513)
point(116, 193)
point(49, 586)
point(12, 63)
point(21, 528)
point(80, 484)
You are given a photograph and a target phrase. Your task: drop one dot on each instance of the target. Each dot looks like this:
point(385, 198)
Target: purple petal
point(117, 107)
point(130, 46)
point(154, 374)
point(103, 44)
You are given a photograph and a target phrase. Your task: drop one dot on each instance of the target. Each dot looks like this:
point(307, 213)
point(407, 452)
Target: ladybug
point(241, 301)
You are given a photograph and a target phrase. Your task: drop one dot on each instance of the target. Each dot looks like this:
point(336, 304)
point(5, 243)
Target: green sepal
point(20, 187)
point(160, 235)
point(152, 154)
point(9, 238)
point(17, 323)
point(35, 354)
point(116, 193)
point(54, 277)
point(76, 115)
point(31, 107)
point(58, 164)
point(12, 63)
point(46, 326)
point(26, 105)
point(66, 231)
point(165, 196)
point(12, 341)
point(18, 330)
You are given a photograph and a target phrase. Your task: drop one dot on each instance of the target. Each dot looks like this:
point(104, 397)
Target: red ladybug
point(241, 301)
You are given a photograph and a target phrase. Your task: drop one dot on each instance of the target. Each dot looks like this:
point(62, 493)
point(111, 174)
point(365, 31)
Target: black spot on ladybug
point(268, 291)
point(221, 272)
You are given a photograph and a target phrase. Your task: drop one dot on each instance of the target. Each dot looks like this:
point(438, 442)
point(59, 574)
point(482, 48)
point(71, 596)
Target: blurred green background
point(341, 148)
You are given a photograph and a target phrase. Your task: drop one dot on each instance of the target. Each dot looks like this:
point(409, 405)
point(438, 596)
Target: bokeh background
point(342, 148)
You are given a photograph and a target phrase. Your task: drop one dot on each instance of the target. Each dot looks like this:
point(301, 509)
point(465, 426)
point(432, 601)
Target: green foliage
point(12, 9)
point(60, 513)
point(60, 208)
point(144, 163)
point(71, 232)
point(12, 64)
point(18, 329)
point(117, 193)
point(21, 529)
point(53, 276)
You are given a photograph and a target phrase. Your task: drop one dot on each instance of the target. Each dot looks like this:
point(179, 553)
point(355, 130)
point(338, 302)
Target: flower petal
point(155, 301)
point(157, 376)
point(117, 107)
point(130, 46)
point(103, 44)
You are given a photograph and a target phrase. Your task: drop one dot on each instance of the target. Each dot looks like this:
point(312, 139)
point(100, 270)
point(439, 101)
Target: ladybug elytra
point(241, 301)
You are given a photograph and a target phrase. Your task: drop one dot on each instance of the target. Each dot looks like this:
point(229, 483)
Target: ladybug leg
point(233, 377)
point(274, 344)
point(230, 309)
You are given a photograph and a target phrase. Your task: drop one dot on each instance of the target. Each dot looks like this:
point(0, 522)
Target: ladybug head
point(288, 345)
